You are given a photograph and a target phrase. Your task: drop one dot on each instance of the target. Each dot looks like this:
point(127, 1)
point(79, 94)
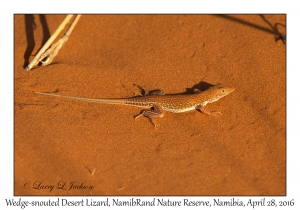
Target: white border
point(154, 6)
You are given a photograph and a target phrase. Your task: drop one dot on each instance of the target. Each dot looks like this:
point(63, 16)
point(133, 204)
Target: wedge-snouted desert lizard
point(157, 102)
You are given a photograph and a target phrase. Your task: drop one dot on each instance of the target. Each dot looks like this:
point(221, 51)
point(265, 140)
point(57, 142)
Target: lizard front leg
point(155, 111)
point(205, 111)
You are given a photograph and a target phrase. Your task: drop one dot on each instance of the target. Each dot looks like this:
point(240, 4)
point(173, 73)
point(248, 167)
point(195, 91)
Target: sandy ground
point(67, 147)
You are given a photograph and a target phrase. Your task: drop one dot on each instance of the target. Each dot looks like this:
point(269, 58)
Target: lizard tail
point(96, 100)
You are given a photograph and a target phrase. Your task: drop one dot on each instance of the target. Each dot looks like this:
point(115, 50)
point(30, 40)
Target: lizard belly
point(179, 110)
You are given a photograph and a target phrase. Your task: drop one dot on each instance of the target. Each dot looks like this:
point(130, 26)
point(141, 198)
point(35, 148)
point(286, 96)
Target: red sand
point(242, 152)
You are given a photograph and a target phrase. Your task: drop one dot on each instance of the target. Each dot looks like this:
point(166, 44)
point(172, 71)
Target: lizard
point(157, 102)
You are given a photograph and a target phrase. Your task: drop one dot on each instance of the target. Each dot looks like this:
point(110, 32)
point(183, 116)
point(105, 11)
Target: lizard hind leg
point(145, 92)
point(155, 111)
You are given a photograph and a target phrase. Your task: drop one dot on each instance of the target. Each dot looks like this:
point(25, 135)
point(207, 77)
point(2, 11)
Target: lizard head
point(219, 91)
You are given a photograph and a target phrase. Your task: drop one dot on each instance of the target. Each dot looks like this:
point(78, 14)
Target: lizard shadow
point(200, 86)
